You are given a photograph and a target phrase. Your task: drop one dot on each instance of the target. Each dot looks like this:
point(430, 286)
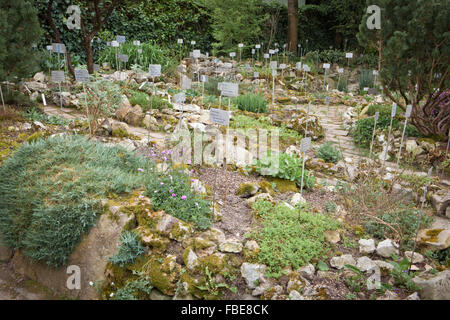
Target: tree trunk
point(89, 55)
point(293, 25)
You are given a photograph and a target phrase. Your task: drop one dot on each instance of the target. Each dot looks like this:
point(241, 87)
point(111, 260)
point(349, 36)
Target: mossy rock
point(247, 189)
point(266, 187)
point(283, 185)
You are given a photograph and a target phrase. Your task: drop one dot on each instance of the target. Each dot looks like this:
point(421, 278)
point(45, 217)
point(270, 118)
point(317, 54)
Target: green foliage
point(15, 97)
point(286, 167)
point(50, 193)
point(406, 220)
point(290, 238)
point(234, 21)
point(19, 30)
point(329, 153)
point(151, 54)
point(401, 276)
point(366, 79)
point(130, 248)
point(355, 282)
point(330, 206)
point(172, 193)
point(210, 285)
point(252, 103)
point(134, 289)
point(139, 98)
point(36, 114)
point(362, 133)
point(441, 256)
point(322, 266)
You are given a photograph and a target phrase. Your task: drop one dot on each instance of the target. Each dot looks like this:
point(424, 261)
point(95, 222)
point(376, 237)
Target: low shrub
point(252, 103)
point(329, 153)
point(290, 237)
point(130, 248)
point(172, 193)
point(50, 192)
point(284, 166)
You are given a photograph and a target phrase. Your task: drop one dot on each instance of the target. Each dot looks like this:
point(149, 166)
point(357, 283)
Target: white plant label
point(180, 41)
point(196, 54)
point(341, 70)
point(139, 51)
point(229, 89)
point(273, 64)
point(375, 72)
point(232, 54)
point(58, 76)
point(274, 73)
point(96, 67)
point(193, 43)
point(154, 70)
point(326, 66)
point(305, 144)
point(283, 66)
point(122, 57)
point(137, 43)
point(220, 117)
point(81, 75)
point(179, 98)
point(258, 46)
point(271, 51)
point(186, 83)
point(394, 110)
point(114, 44)
point(377, 116)
point(256, 75)
point(266, 56)
point(43, 99)
point(120, 39)
point(59, 48)
point(49, 48)
point(108, 43)
point(306, 68)
point(240, 45)
point(204, 78)
point(298, 66)
point(366, 89)
point(253, 51)
point(349, 55)
point(408, 111)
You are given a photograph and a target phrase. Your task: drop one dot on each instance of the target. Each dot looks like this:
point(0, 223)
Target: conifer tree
point(19, 31)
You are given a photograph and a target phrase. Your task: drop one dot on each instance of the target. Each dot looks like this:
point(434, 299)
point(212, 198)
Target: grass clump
point(290, 238)
point(329, 153)
point(251, 102)
point(284, 166)
point(50, 192)
point(172, 193)
point(134, 290)
point(130, 248)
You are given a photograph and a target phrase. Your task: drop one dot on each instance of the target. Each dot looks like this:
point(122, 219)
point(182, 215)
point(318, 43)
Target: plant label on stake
point(274, 75)
point(43, 99)
point(407, 115)
point(240, 45)
point(326, 66)
point(219, 116)
point(203, 79)
point(377, 115)
point(348, 55)
point(304, 147)
point(120, 39)
point(282, 67)
point(393, 113)
point(58, 76)
point(82, 75)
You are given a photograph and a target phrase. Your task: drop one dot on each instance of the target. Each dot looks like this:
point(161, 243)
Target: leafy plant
point(133, 289)
point(102, 98)
point(130, 248)
point(329, 153)
point(210, 285)
point(290, 237)
point(289, 168)
point(252, 103)
point(172, 192)
point(37, 115)
point(400, 274)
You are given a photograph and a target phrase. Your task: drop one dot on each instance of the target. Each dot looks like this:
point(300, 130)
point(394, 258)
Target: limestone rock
point(261, 196)
point(436, 287)
point(40, 77)
point(232, 245)
point(253, 274)
point(294, 295)
point(366, 246)
point(247, 189)
point(332, 236)
point(340, 261)
point(414, 296)
point(91, 256)
point(190, 259)
point(436, 239)
point(416, 258)
point(386, 248)
point(307, 271)
point(297, 199)
point(365, 264)
point(441, 201)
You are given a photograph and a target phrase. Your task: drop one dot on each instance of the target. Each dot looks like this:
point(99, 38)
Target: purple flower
point(173, 194)
point(183, 197)
point(170, 190)
point(162, 183)
point(164, 158)
point(140, 170)
point(163, 152)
